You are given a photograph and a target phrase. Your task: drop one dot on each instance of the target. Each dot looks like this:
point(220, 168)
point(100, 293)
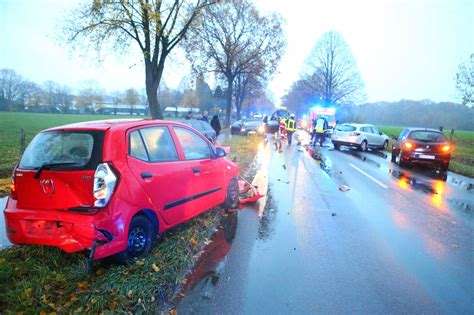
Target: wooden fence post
point(22, 140)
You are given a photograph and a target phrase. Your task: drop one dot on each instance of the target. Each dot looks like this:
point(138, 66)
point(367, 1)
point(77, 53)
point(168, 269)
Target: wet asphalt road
point(399, 241)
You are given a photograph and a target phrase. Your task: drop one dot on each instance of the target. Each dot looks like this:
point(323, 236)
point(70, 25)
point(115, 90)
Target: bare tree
point(89, 95)
point(465, 81)
point(247, 87)
point(131, 98)
point(13, 88)
point(154, 26)
point(331, 72)
point(230, 38)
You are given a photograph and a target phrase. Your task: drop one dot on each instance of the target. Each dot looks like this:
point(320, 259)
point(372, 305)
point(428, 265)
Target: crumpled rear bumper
point(71, 232)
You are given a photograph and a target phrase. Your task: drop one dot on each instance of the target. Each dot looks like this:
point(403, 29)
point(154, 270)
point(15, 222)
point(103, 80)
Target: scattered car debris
point(344, 188)
point(248, 193)
point(333, 214)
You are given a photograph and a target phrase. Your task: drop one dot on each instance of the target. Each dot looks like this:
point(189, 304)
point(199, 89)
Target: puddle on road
point(429, 182)
point(213, 255)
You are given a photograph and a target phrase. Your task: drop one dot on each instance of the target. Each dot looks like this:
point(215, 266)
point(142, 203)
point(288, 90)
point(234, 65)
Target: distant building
point(109, 108)
point(179, 112)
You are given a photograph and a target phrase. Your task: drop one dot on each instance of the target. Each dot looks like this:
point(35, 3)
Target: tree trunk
point(228, 108)
point(152, 82)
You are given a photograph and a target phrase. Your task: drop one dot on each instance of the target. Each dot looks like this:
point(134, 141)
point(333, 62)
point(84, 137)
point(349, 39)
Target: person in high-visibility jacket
point(320, 129)
point(290, 127)
point(280, 134)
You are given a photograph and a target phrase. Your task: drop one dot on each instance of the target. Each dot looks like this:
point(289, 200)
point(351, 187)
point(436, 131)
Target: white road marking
point(369, 176)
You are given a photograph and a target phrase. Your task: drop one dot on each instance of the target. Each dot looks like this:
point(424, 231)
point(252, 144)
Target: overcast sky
point(405, 49)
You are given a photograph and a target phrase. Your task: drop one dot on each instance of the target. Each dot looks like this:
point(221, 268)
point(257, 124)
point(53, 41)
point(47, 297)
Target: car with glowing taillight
point(361, 136)
point(111, 187)
point(422, 146)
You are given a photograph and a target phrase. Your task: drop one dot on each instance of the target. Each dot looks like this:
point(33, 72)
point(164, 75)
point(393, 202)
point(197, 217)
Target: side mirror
point(220, 152)
point(381, 133)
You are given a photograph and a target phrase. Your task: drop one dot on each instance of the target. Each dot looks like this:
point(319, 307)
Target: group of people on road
point(287, 127)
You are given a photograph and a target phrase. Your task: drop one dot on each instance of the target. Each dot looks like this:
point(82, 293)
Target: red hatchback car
point(112, 186)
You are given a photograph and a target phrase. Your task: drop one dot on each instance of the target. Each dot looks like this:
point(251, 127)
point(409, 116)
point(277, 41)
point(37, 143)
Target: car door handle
point(196, 170)
point(146, 175)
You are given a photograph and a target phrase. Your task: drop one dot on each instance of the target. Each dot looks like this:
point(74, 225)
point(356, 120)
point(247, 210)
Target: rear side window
point(194, 147)
point(157, 145)
point(137, 147)
point(80, 148)
point(427, 136)
point(345, 128)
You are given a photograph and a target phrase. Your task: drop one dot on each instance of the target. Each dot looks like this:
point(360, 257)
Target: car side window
point(403, 134)
point(194, 147)
point(159, 144)
point(137, 147)
point(375, 131)
point(365, 129)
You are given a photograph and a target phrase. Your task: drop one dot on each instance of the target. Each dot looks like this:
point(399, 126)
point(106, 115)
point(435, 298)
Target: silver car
point(361, 136)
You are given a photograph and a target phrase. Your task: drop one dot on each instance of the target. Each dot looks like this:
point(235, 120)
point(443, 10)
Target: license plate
point(428, 157)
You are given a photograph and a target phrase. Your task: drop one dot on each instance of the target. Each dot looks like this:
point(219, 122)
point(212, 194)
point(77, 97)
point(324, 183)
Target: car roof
point(422, 129)
point(112, 123)
point(358, 125)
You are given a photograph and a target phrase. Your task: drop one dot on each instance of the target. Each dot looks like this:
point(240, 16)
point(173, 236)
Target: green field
point(462, 159)
point(10, 124)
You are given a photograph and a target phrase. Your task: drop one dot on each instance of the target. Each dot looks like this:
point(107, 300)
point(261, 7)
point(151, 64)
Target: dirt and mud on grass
point(462, 158)
point(41, 279)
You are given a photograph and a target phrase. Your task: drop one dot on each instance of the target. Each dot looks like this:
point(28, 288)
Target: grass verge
point(462, 158)
point(39, 279)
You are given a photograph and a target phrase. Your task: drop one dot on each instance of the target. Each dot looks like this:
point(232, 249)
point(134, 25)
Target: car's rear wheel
point(364, 146)
point(232, 195)
point(139, 240)
point(400, 161)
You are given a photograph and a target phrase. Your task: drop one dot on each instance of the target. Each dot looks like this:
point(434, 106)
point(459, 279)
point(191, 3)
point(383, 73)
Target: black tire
point(140, 240)
point(364, 146)
point(337, 146)
point(394, 157)
point(400, 161)
point(385, 145)
point(232, 195)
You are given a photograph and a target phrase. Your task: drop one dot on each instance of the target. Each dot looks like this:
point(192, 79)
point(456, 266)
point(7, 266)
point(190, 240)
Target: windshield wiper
point(51, 165)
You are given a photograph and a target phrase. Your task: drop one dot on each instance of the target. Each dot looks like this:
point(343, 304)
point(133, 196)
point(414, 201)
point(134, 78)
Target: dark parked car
point(272, 126)
point(247, 126)
point(236, 127)
point(203, 127)
point(422, 146)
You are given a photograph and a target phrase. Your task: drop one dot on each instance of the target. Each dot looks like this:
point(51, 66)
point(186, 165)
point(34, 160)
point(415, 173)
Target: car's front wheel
point(139, 240)
point(385, 145)
point(232, 195)
point(364, 146)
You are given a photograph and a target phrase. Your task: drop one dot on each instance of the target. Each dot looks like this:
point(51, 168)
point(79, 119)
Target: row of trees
point(229, 39)
point(17, 93)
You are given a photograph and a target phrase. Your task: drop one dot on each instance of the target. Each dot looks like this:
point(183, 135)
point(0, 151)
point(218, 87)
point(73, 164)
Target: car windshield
point(58, 147)
point(345, 128)
point(427, 136)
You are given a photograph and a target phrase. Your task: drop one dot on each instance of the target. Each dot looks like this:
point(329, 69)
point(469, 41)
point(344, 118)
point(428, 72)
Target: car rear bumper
point(416, 158)
point(71, 232)
point(345, 143)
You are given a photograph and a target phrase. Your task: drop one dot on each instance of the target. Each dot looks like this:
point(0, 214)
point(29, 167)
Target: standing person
point(216, 125)
point(290, 128)
point(205, 116)
point(320, 130)
point(189, 115)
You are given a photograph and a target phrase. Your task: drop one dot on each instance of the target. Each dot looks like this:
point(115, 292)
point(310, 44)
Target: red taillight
point(445, 148)
point(13, 194)
point(408, 145)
